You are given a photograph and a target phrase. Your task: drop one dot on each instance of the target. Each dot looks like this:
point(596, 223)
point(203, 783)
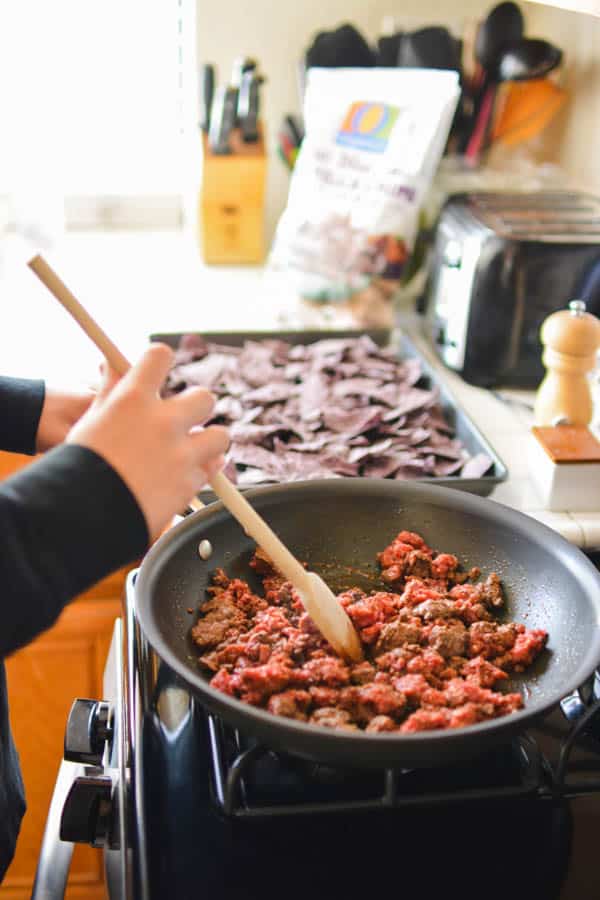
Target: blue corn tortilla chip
point(476, 466)
point(332, 409)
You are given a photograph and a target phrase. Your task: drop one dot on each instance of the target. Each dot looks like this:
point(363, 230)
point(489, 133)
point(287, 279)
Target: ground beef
point(412, 687)
point(434, 653)
point(435, 609)
point(326, 670)
point(482, 672)
point(397, 634)
point(527, 646)
point(363, 673)
point(444, 565)
point(449, 640)
point(395, 661)
point(418, 564)
point(403, 544)
point(427, 720)
point(491, 592)
point(381, 723)
point(292, 704)
point(374, 699)
point(491, 640)
point(324, 696)
point(331, 717)
point(221, 618)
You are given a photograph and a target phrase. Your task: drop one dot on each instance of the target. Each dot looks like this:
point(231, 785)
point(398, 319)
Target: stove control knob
point(87, 813)
point(88, 729)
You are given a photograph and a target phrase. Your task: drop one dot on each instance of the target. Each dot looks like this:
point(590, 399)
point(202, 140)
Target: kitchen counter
point(505, 423)
point(139, 283)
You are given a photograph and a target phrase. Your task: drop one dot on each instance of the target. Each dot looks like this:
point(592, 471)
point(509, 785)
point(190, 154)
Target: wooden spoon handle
point(256, 527)
point(48, 276)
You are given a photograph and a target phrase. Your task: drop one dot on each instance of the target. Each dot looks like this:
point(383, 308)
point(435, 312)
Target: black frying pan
point(339, 525)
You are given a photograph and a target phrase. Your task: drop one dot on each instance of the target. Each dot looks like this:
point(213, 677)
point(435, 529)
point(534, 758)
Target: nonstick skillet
point(338, 526)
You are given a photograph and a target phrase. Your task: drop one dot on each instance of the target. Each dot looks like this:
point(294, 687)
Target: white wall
point(277, 32)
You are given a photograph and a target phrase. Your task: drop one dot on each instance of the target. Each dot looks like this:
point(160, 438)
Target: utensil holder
point(232, 202)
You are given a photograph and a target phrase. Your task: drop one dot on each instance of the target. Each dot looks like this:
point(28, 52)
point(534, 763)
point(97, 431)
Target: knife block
point(231, 205)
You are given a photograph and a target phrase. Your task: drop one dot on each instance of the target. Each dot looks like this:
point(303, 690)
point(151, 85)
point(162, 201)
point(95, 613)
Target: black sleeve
point(66, 521)
point(21, 402)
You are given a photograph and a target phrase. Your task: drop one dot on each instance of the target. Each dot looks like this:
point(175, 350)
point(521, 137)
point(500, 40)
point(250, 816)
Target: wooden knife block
point(232, 202)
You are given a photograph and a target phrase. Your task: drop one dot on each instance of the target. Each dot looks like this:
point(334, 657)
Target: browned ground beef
point(434, 653)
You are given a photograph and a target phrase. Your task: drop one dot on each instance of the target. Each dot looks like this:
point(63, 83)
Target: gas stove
point(184, 806)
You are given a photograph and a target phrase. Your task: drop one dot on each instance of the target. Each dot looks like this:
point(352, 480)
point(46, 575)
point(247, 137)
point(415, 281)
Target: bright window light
point(93, 97)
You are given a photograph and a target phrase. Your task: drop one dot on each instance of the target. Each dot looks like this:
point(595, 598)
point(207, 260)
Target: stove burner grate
point(252, 781)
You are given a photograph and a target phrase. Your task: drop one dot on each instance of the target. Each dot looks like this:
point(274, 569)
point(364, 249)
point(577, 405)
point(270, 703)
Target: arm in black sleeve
point(66, 521)
point(21, 402)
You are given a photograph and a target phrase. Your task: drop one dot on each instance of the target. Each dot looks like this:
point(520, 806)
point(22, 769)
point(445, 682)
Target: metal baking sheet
point(463, 426)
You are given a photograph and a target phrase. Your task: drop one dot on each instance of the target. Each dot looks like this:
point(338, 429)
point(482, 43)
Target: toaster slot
point(547, 216)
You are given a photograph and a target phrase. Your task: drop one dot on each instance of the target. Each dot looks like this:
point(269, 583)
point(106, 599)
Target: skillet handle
point(194, 505)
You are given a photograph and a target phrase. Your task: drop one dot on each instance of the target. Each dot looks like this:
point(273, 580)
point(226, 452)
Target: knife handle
point(207, 90)
point(248, 107)
point(222, 120)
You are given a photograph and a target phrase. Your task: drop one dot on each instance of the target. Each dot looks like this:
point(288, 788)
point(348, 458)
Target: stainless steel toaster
point(501, 263)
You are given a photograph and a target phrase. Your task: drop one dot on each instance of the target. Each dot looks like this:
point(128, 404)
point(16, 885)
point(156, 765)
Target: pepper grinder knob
point(571, 339)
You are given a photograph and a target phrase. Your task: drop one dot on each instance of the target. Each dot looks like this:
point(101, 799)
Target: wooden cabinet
point(43, 680)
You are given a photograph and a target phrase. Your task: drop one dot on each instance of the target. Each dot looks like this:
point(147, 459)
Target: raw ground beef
point(435, 655)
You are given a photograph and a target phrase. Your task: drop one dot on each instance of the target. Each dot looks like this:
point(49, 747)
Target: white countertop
point(140, 283)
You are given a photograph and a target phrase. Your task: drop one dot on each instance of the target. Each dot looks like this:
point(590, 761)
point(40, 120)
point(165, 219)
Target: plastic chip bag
point(374, 138)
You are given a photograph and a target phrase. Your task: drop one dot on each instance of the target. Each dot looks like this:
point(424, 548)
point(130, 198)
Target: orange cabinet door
point(43, 680)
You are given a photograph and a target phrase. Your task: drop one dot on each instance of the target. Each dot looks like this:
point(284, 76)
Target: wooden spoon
point(319, 601)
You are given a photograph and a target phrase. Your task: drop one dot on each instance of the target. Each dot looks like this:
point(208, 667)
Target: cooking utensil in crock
point(527, 58)
point(505, 55)
point(526, 108)
point(319, 601)
point(503, 25)
point(339, 525)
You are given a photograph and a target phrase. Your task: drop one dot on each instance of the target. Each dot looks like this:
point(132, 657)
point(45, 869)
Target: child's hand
point(61, 410)
point(153, 443)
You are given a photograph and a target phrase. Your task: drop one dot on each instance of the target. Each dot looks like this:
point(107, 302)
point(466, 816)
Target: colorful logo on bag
point(368, 126)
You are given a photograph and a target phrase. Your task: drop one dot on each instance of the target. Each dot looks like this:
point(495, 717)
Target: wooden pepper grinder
point(571, 339)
